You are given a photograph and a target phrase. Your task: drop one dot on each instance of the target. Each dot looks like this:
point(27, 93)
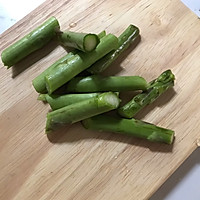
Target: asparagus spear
point(131, 127)
point(82, 41)
point(39, 82)
point(82, 110)
point(78, 63)
point(155, 89)
point(59, 101)
point(125, 39)
point(98, 83)
point(30, 43)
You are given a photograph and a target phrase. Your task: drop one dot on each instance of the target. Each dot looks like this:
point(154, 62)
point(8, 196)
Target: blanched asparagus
point(59, 101)
point(125, 39)
point(83, 41)
point(39, 82)
point(97, 83)
point(130, 127)
point(30, 43)
point(78, 63)
point(155, 89)
point(82, 110)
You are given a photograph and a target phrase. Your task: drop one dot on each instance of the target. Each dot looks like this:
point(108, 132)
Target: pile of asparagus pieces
point(75, 97)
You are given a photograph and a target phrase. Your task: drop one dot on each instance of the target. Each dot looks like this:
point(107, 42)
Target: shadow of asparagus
point(75, 132)
point(28, 61)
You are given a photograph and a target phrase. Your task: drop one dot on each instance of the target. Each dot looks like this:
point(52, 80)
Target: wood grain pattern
point(79, 164)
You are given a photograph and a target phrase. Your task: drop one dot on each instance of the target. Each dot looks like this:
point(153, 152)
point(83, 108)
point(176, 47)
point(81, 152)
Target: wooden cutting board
point(80, 164)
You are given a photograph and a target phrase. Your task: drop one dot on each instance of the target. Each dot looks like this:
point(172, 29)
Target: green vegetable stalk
point(39, 82)
point(130, 127)
point(82, 110)
point(78, 63)
point(85, 42)
point(30, 43)
point(154, 90)
point(59, 101)
point(98, 83)
point(125, 40)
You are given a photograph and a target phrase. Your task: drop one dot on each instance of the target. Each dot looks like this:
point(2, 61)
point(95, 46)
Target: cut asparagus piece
point(131, 127)
point(59, 101)
point(100, 35)
point(82, 110)
point(39, 82)
point(78, 63)
point(98, 83)
point(125, 39)
point(83, 41)
point(155, 89)
point(30, 43)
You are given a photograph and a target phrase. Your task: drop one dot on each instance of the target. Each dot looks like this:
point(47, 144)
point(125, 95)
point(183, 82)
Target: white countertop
point(11, 11)
point(184, 184)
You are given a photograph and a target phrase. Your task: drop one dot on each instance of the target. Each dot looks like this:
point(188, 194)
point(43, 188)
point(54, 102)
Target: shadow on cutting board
point(33, 58)
point(75, 132)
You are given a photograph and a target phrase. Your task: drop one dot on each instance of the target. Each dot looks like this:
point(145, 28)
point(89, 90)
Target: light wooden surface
point(79, 164)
